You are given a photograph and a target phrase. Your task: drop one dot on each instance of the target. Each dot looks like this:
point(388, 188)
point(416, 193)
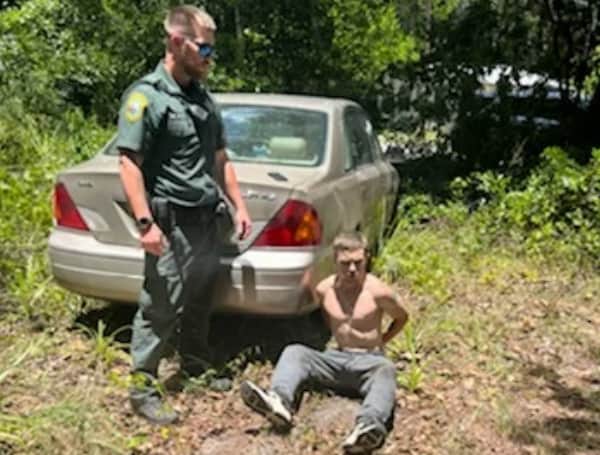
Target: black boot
point(147, 402)
point(154, 410)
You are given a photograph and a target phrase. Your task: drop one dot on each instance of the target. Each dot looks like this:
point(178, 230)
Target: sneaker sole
point(366, 442)
point(254, 400)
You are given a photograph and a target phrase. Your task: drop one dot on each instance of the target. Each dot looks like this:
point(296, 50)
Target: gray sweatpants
point(367, 374)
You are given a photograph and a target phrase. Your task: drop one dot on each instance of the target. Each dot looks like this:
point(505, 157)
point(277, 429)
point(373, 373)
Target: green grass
point(72, 425)
point(105, 350)
point(51, 400)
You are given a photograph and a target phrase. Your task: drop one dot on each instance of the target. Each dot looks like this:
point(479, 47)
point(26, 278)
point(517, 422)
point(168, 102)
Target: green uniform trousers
point(176, 297)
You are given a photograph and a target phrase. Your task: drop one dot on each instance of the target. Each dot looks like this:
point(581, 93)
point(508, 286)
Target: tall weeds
point(32, 150)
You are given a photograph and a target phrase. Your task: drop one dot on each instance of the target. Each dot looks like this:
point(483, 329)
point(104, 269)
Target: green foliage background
point(551, 217)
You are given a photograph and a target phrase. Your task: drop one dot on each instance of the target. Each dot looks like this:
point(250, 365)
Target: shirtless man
point(353, 303)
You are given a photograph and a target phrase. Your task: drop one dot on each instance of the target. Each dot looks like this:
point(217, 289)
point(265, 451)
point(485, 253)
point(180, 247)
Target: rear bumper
point(268, 282)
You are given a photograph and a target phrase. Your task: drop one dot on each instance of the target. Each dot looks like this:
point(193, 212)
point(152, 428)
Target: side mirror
point(392, 151)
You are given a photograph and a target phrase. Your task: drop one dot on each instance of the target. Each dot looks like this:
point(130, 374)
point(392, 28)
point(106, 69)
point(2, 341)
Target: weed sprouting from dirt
point(105, 348)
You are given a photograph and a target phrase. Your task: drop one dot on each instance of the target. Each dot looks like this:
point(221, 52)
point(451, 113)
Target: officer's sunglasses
point(204, 50)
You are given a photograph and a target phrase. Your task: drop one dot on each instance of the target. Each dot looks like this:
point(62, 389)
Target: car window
point(287, 136)
point(358, 140)
point(376, 152)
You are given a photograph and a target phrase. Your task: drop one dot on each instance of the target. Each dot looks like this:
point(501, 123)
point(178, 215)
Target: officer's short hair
point(183, 18)
point(349, 241)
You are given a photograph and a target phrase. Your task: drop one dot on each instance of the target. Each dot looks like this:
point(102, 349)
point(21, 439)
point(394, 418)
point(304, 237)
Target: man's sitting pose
point(353, 303)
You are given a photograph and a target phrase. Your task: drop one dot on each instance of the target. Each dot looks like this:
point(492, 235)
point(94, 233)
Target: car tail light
point(296, 224)
point(65, 211)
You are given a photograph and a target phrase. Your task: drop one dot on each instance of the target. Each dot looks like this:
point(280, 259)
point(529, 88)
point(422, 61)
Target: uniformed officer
point(172, 149)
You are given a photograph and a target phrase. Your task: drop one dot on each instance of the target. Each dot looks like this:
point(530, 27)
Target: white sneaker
point(268, 404)
point(364, 438)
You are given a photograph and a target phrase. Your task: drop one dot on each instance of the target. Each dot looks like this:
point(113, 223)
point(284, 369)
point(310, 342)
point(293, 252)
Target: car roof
point(318, 103)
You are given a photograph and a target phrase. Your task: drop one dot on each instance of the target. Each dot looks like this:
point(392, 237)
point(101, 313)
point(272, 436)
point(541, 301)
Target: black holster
point(163, 216)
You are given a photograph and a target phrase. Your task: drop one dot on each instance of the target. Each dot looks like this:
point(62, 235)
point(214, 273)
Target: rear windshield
point(267, 134)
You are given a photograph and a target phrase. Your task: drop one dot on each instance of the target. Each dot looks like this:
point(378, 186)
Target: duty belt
point(193, 215)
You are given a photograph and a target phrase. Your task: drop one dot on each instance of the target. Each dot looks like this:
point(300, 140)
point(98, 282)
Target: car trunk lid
point(96, 189)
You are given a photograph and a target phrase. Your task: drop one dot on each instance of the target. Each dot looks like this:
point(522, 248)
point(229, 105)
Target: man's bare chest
point(358, 311)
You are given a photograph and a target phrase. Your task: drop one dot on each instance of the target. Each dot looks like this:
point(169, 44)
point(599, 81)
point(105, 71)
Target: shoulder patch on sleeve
point(135, 105)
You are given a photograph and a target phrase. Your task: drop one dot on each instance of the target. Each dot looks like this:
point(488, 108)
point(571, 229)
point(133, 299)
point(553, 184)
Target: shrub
point(554, 214)
point(34, 149)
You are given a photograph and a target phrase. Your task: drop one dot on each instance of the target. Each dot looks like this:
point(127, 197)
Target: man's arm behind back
point(390, 303)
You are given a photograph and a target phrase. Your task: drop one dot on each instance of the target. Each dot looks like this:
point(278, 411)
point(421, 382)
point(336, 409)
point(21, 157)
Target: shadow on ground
point(578, 429)
point(258, 338)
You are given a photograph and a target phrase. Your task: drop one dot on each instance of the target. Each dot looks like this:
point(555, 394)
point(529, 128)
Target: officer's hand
point(243, 224)
point(153, 240)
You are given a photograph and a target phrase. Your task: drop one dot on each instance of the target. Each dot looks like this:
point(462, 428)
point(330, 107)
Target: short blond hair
point(184, 18)
point(349, 241)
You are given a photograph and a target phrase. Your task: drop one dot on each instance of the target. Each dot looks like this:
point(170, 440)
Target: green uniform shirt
point(178, 132)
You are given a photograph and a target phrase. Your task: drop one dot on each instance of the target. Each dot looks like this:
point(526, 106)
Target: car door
point(361, 165)
point(389, 182)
